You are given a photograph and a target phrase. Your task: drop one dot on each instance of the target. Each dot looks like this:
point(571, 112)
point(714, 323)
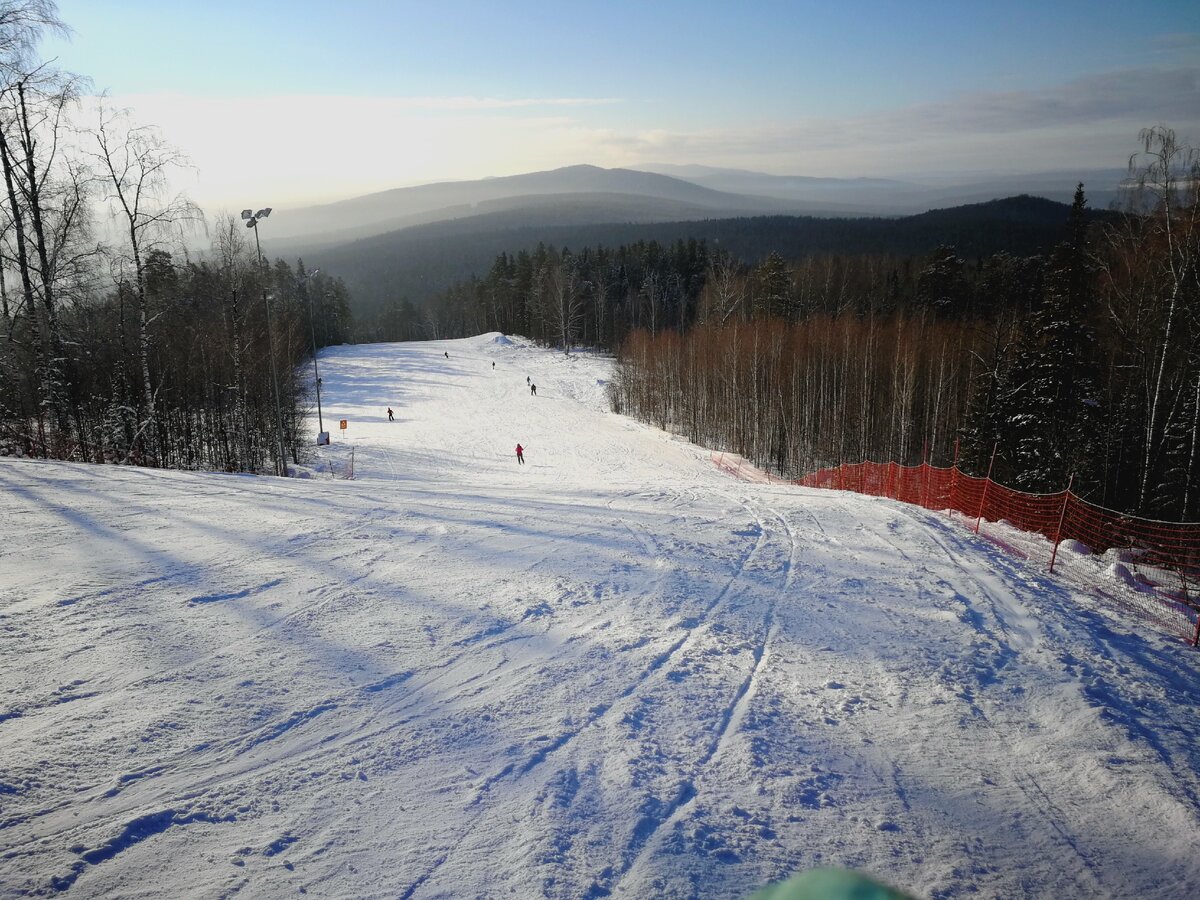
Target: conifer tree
point(1052, 403)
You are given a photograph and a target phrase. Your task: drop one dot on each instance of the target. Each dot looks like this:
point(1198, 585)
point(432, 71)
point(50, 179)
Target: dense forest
point(401, 279)
point(130, 350)
point(1081, 361)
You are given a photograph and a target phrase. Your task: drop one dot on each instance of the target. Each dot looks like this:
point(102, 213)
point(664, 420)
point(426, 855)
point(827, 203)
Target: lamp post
point(252, 222)
point(322, 434)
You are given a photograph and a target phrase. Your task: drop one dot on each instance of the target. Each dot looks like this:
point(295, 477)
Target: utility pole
point(322, 435)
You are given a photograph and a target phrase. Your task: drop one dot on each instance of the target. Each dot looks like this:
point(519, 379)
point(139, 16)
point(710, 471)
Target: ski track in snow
point(730, 721)
point(612, 671)
point(599, 715)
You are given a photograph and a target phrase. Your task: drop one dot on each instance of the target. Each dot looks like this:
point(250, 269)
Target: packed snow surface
point(613, 670)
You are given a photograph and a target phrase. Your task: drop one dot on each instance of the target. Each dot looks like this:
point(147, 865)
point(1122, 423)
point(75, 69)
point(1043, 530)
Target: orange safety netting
point(1147, 566)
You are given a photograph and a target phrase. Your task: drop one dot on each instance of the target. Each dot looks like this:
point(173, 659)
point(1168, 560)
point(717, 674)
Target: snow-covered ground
point(614, 670)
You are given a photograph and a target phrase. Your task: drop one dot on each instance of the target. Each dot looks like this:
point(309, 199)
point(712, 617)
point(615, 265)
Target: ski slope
point(611, 671)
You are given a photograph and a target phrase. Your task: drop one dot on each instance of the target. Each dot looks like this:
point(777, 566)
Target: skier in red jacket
point(520, 454)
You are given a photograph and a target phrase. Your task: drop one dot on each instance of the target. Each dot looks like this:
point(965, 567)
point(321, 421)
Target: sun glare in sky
point(306, 102)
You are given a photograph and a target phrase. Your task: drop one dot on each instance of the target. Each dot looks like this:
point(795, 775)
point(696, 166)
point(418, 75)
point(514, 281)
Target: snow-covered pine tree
point(942, 285)
point(1052, 403)
point(1010, 288)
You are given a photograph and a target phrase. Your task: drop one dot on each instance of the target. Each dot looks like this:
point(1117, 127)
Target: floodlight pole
point(312, 321)
point(252, 222)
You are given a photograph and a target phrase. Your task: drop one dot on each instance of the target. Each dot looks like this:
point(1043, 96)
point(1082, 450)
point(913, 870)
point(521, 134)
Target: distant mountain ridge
point(650, 197)
point(891, 196)
point(586, 195)
point(418, 262)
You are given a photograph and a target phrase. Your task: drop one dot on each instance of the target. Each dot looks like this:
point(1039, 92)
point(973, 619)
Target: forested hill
point(419, 262)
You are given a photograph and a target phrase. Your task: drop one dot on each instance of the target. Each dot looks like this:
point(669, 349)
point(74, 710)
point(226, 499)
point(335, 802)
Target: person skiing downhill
point(520, 454)
point(533, 390)
point(391, 418)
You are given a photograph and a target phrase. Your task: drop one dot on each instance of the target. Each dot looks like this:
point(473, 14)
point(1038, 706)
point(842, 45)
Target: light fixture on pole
point(322, 434)
point(252, 219)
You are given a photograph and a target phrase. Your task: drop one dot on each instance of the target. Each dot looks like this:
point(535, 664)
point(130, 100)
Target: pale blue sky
point(422, 91)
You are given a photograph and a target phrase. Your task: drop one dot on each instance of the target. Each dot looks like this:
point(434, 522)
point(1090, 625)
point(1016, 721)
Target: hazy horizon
point(299, 104)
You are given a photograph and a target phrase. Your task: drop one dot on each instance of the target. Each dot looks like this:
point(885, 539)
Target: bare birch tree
point(137, 164)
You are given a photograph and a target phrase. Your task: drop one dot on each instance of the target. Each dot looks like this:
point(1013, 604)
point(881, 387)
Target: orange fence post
point(1061, 517)
point(1196, 633)
point(923, 490)
point(986, 482)
point(953, 481)
point(1187, 601)
point(923, 487)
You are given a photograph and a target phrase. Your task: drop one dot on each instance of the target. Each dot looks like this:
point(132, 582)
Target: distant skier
point(493, 364)
point(520, 454)
point(391, 418)
point(533, 389)
point(527, 379)
point(447, 354)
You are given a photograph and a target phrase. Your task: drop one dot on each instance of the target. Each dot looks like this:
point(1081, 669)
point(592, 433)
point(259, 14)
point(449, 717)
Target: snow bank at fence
point(1148, 567)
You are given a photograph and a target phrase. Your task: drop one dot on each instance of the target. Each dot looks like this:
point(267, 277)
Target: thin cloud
point(1185, 42)
point(985, 128)
point(474, 103)
point(1159, 94)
